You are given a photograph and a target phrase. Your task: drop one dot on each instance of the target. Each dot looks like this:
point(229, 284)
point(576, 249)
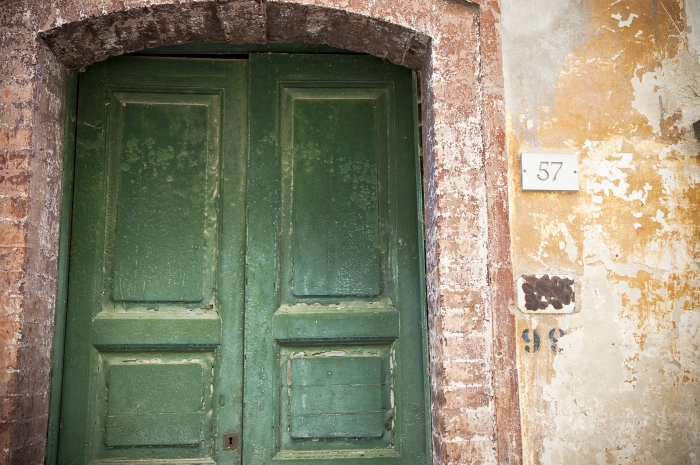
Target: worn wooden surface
point(159, 274)
point(157, 143)
point(332, 249)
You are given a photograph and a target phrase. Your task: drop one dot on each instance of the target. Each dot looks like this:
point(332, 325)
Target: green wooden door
point(210, 322)
point(334, 337)
point(156, 264)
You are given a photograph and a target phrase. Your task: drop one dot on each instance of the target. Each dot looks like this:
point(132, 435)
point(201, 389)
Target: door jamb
point(420, 211)
point(64, 234)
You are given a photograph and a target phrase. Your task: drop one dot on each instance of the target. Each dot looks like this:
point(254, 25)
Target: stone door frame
point(455, 45)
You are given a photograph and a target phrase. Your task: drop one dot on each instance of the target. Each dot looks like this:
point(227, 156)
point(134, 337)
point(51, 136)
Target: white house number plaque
point(550, 171)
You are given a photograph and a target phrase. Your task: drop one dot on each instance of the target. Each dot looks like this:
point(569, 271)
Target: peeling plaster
point(625, 23)
point(673, 89)
point(692, 11)
point(570, 247)
point(534, 53)
point(623, 385)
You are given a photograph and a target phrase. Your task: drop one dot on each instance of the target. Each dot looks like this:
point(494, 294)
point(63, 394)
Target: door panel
point(333, 334)
point(141, 413)
point(335, 244)
point(164, 229)
point(152, 282)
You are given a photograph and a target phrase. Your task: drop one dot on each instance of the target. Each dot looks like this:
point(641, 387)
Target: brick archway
point(455, 45)
point(81, 43)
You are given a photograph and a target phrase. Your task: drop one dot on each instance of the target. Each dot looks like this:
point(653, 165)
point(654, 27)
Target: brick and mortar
point(456, 47)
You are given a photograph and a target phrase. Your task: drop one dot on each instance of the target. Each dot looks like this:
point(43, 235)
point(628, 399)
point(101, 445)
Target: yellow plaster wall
point(617, 82)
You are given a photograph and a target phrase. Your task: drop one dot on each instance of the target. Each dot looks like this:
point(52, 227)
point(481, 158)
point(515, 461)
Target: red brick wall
point(32, 89)
point(455, 45)
point(16, 116)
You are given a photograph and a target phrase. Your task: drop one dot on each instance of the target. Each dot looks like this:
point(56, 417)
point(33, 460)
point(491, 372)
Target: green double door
point(245, 271)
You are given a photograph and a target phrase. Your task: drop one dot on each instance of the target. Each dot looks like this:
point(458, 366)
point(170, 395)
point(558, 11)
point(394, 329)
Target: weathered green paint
point(332, 228)
point(164, 239)
point(336, 397)
point(334, 201)
point(357, 321)
point(155, 329)
point(332, 400)
point(160, 173)
point(340, 457)
point(141, 413)
point(330, 275)
point(357, 378)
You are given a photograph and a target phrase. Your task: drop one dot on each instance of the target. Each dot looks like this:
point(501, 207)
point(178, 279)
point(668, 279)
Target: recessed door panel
point(166, 154)
point(155, 403)
point(334, 144)
point(336, 396)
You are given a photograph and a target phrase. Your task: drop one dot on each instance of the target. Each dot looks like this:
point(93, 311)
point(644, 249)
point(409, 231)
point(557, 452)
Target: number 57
point(543, 174)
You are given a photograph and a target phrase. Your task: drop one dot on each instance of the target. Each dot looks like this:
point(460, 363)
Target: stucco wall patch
point(622, 386)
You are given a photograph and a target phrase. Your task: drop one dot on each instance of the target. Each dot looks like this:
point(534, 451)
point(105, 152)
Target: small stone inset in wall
point(544, 293)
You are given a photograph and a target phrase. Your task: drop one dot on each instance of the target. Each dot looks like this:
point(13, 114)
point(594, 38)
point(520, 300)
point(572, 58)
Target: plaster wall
point(617, 82)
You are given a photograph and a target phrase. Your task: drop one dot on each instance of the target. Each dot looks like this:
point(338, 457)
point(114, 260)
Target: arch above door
point(456, 47)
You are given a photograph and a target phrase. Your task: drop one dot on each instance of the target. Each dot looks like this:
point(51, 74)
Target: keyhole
point(230, 441)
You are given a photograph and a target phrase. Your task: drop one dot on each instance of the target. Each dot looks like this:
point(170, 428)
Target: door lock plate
point(230, 441)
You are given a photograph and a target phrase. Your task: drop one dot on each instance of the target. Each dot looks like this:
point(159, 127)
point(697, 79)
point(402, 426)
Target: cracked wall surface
point(622, 90)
